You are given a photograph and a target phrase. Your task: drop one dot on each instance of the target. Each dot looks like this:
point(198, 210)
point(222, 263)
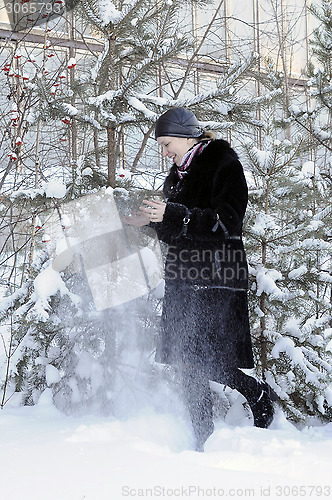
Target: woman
point(205, 326)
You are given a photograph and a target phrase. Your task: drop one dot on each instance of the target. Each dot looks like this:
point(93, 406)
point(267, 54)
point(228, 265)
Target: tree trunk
point(262, 306)
point(111, 127)
point(73, 128)
point(111, 156)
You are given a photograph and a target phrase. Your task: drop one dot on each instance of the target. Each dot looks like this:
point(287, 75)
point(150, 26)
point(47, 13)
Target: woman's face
point(175, 147)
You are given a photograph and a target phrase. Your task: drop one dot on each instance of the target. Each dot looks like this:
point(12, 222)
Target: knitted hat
point(178, 122)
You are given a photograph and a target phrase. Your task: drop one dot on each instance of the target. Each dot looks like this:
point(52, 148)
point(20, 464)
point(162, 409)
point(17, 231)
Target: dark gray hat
point(178, 122)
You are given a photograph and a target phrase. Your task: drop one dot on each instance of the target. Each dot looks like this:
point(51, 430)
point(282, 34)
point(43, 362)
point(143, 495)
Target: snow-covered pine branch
point(94, 71)
point(89, 12)
point(47, 284)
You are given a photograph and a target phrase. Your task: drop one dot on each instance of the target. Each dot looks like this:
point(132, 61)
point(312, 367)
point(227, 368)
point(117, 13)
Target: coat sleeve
point(227, 202)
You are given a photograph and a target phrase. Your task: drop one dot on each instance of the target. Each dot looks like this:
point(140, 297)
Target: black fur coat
point(205, 314)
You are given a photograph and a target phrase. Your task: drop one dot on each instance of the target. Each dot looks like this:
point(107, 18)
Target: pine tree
point(287, 240)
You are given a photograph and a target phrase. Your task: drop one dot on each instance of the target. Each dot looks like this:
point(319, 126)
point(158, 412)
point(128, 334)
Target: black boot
point(261, 407)
point(272, 395)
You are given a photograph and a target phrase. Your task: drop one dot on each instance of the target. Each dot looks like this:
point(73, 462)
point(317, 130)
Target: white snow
point(108, 96)
point(84, 366)
point(71, 62)
point(95, 69)
point(88, 368)
point(159, 101)
point(28, 193)
point(296, 273)
point(295, 110)
point(259, 312)
point(69, 109)
point(266, 281)
point(285, 344)
point(54, 189)
point(315, 224)
point(48, 456)
point(93, 122)
point(263, 223)
point(293, 326)
point(309, 169)
point(328, 395)
point(52, 375)
point(323, 135)
point(46, 284)
point(137, 104)
point(87, 171)
point(9, 301)
point(262, 156)
point(108, 12)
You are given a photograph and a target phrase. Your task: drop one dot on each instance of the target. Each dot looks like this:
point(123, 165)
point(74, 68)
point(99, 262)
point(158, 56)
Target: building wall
point(277, 29)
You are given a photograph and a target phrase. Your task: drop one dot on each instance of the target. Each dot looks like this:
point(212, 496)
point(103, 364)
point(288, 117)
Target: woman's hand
point(137, 219)
point(154, 210)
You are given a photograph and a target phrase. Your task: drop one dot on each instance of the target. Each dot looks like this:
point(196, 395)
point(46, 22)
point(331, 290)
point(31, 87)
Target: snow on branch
point(325, 277)
point(314, 323)
point(51, 189)
point(315, 244)
point(108, 96)
point(47, 284)
point(236, 71)
point(214, 125)
point(321, 91)
point(108, 13)
point(286, 345)
point(323, 213)
point(314, 357)
point(128, 9)
point(301, 357)
point(163, 104)
point(68, 109)
point(266, 279)
point(104, 100)
point(91, 15)
point(158, 101)
point(307, 244)
point(94, 72)
point(92, 121)
point(298, 272)
point(309, 361)
point(19, 294)
point(137, 104)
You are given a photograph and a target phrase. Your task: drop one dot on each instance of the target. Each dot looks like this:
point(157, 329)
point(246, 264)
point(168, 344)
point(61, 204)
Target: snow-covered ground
point(46, 455)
